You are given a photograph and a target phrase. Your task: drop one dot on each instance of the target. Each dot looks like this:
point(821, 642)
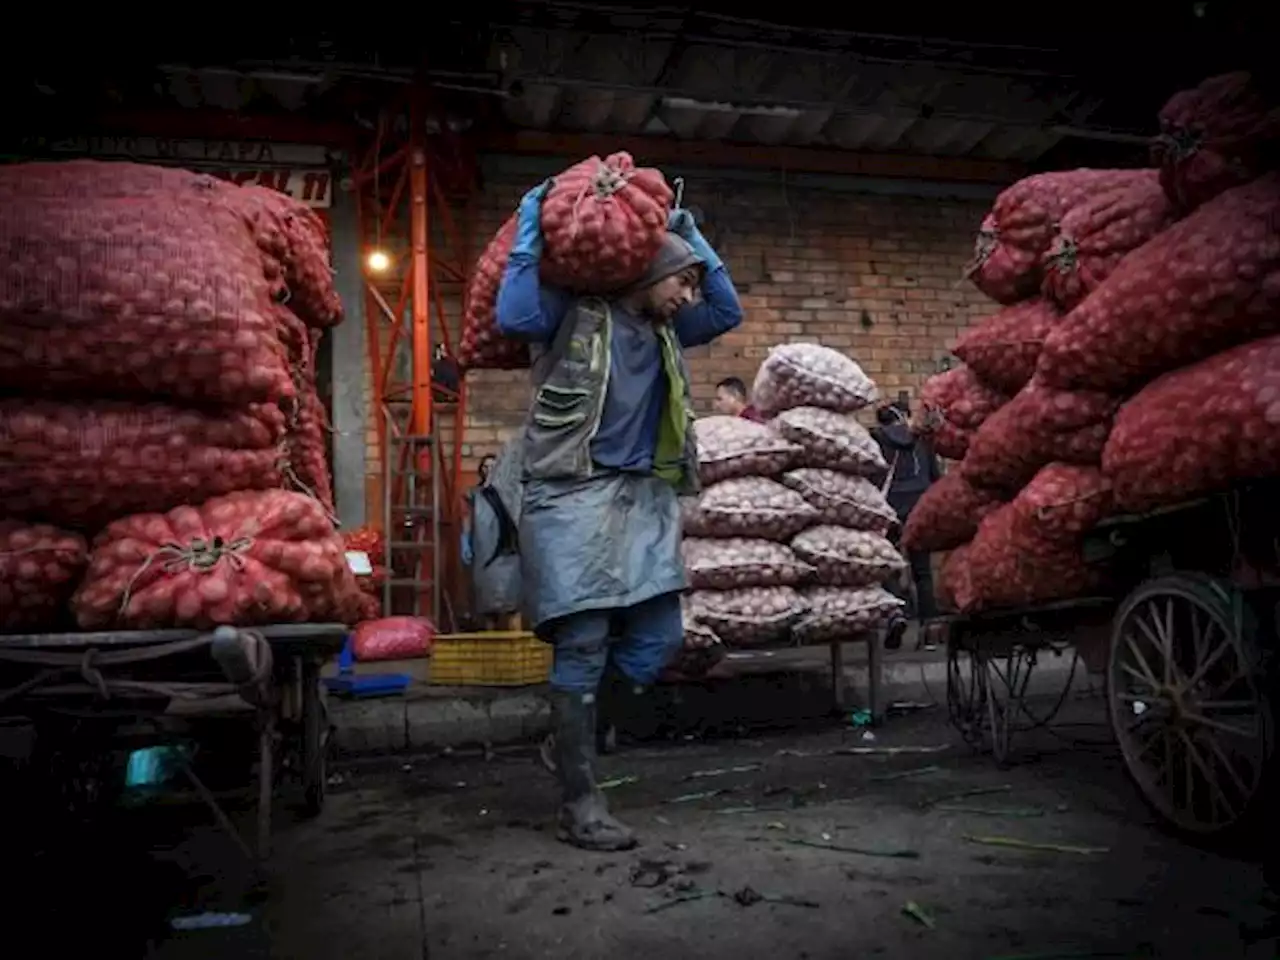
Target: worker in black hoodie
point(913, 468)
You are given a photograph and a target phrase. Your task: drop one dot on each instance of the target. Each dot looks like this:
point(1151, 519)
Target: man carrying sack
point(608, 445)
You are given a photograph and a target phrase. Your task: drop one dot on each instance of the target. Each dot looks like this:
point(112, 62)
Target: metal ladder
point(411, 524)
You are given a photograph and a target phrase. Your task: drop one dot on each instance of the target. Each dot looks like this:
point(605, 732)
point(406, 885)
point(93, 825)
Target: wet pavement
point(776, 844)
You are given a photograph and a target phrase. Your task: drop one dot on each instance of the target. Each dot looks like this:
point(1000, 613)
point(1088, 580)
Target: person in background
point(732, 400)
point(913, 467)
point(468, 522)
point(608, 444)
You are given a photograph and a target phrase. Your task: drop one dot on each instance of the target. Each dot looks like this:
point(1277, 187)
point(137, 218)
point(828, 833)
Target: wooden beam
point(697, 153)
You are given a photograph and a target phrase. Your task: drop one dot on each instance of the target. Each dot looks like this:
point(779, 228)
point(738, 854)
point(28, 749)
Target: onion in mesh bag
point(833, 441)
point(39, 567)
point(848, 558)
point(746, 507)
point(843, 499)
point(947, 514)
point(810, 375)
point(1003, 348)
point(731, 447)
point(841, 613)
point(740, 562)
point(748, 617)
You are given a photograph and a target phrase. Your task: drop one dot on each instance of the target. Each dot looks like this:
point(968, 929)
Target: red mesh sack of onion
point(243, 559)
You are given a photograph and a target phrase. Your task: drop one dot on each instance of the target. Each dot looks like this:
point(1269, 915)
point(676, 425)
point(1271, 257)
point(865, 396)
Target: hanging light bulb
point(377, 261)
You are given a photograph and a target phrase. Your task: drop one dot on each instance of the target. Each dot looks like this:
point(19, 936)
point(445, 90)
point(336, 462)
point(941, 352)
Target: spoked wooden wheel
point(1187, 704)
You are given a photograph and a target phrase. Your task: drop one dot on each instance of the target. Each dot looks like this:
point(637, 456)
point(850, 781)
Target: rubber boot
point(607, 719)
point(584, 819)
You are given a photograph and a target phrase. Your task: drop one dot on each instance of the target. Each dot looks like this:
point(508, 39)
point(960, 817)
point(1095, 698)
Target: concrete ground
point(764, 843)
point(429, 717)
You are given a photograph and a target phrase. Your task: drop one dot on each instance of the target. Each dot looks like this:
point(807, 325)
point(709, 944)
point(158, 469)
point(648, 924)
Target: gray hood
point(674, 255)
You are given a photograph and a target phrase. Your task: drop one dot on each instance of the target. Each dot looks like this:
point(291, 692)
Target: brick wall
point(877, 276)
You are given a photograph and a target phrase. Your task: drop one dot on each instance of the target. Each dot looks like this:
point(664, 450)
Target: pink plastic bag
point(393, 638)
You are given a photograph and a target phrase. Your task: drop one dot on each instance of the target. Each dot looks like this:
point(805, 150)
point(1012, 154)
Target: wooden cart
point(1187, 642)
point(94, 697)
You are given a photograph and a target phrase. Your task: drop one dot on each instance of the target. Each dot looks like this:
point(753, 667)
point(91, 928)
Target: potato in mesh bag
point(810, 375)
point(749, 617)
point(831, 441)
point(841, 613)
point(741, 562)
point(848, 558)
point(843, 499)
point(746, 507)
point(731, 447)
point(697, 635)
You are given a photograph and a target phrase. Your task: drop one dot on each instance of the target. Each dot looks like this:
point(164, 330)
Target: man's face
point(728, 403)
point(667, 296)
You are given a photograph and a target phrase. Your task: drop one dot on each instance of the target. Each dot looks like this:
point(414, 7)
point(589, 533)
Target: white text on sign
point(312, 187)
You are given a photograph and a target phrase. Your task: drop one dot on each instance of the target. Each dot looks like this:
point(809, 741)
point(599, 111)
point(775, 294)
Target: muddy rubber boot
point(584, 819)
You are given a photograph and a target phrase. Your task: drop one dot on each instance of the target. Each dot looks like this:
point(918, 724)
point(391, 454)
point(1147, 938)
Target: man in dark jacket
point(913, 468)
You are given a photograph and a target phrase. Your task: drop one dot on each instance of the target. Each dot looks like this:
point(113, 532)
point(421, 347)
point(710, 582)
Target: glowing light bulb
point(378, 261)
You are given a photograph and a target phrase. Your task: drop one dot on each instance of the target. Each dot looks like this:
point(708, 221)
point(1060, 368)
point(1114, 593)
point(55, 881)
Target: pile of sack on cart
point(162, 442)
point(1134, 364)
point(786, 542)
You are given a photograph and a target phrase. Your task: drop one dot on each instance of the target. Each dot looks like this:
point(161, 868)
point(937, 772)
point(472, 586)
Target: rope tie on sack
point(1065, 256)
point(1180, 142)
point(1042, 511)
point(199, 556)
point(983, 247)
point(606, 182)
point(291, 475)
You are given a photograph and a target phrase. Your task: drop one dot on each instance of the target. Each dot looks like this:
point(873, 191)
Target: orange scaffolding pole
point(404, 209)
point(420, 412)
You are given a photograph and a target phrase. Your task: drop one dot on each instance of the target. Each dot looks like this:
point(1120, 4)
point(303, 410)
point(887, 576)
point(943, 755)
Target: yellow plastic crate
point(495, 658)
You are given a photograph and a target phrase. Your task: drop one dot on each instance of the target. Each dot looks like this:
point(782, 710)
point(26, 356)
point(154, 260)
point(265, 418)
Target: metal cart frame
point(150, 680)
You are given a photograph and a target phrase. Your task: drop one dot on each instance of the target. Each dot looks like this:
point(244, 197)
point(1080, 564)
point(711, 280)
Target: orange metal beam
point(421, 303)
point(698, 153)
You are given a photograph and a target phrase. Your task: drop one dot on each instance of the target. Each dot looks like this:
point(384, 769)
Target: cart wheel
point(1188, 711)
point(315, 760)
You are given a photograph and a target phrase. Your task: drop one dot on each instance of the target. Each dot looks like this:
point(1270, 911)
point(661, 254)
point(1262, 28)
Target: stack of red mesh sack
point(162, 443)
point(603, 222)
point(1147, 369)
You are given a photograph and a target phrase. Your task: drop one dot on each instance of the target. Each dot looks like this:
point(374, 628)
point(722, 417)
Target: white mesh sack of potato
point(842, 613)
point(810, 375)
point(843, 499)
point(750, 617)
point(740, 562)
point(848, 558)
point(746, 507)
point(831, 441)
point(731, 447)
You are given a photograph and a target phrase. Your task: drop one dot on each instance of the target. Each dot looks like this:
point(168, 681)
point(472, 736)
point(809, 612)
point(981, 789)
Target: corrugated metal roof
point(658, 81)
point(687, 73)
